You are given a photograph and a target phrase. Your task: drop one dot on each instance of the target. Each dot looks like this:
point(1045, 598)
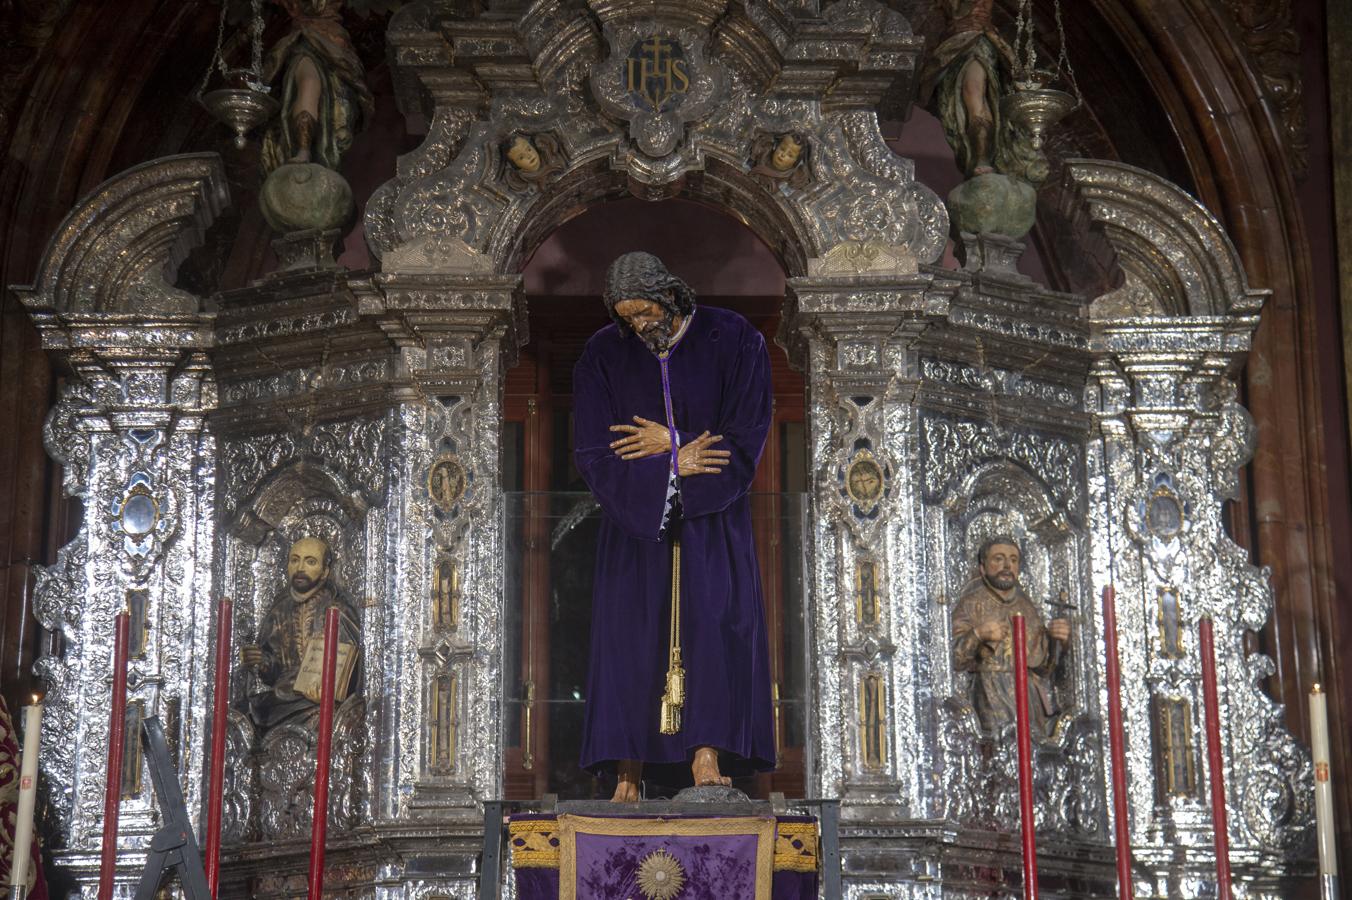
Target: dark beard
point(301, 583)
point(1002, 582)
point(658, 336)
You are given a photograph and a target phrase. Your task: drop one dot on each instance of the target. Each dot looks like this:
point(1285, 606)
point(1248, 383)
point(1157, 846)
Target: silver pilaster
point(129, 431)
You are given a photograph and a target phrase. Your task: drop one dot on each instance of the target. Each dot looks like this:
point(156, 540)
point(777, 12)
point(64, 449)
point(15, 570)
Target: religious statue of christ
point(671, 409)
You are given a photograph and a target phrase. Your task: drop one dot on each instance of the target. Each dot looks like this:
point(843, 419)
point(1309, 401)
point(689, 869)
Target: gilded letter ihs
point(655, 70)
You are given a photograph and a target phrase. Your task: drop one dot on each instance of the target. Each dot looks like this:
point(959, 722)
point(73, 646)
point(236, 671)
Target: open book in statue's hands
point(311, 676)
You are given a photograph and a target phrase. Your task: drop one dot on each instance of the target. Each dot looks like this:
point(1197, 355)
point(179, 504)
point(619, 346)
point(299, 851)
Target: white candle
point(1323, 782)
point(28, 791)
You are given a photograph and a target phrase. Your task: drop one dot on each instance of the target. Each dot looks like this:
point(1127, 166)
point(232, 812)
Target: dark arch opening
point(550, 531)
point(711, 250)
point(723, 190)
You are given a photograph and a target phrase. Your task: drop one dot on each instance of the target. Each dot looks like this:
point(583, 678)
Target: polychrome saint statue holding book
point(672, 408)
point(288, 655)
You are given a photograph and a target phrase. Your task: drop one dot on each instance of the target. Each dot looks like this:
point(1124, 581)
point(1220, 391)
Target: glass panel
point(551, 554)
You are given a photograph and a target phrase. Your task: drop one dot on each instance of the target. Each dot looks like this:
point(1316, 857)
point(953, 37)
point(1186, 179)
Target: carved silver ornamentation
point(953, 447)
point(656, 130)
point(119, 249)
point(995, 380)
point(286, 781)
point(130, 428)
point(453, 187)
point(986, 402)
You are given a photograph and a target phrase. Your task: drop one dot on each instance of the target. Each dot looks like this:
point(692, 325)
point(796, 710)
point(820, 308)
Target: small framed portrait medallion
point(446, 481)
point(1164, 514)
point(140, 511)
point(864, 481)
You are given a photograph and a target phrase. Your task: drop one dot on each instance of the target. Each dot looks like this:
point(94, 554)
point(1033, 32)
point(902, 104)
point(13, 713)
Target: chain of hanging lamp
point(217, 64)
point(1025, 51)
point(1033, 103)
point(217, 57)
point(245, 105)
point(1063, 65)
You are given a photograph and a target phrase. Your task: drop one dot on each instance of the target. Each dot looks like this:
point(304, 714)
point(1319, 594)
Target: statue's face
point(523, 155)
point(786, 153)
point(652, 322)
point(306, 569)
point(1001, 566)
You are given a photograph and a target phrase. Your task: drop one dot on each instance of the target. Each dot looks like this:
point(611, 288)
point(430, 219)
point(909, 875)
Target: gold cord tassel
point(674, 698)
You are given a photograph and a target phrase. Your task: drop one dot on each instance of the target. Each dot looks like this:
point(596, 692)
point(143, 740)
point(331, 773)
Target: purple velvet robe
point(720, 382)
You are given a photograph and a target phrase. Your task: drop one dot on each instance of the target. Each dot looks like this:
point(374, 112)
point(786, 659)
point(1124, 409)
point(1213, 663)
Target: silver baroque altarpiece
point(1102, 431)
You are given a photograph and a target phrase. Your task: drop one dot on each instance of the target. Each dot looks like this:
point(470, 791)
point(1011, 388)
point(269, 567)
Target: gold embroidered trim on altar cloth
point(534, 843)
point(796, 847)
point(570, 826)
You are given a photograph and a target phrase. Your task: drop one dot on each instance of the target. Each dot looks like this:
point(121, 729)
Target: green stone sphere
point(304, 196)
point(993, 204)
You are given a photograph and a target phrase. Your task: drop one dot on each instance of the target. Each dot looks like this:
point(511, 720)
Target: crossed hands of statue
point(996, 630)
point(644, 438)
point(648, 438)
point(695, 458)
point(251, 655)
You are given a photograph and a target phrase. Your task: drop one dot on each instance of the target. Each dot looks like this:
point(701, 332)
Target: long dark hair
point(642, 276)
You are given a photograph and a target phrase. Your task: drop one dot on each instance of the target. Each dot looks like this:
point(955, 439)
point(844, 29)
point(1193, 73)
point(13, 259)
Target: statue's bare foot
point(705, 769)
point(302, 156)
point(630, 772)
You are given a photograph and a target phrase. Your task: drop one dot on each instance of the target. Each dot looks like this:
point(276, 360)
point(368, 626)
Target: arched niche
point(1000, 498)
point(300, 499)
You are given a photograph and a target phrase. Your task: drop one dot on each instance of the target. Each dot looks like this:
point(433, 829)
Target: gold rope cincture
point(673, 698)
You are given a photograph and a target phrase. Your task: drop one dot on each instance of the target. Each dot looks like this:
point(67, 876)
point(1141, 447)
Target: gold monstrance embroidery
point(660, 876)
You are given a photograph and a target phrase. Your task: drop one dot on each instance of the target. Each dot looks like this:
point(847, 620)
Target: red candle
point(117, 725)
point(1219, 826)
point(1117, 746)
point(1027, 815)
point(216, 778)
point(319, 826)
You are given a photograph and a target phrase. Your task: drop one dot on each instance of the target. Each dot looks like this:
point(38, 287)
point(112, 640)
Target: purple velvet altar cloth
point(720, 382)
point(716, 858)
point(712, 867)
